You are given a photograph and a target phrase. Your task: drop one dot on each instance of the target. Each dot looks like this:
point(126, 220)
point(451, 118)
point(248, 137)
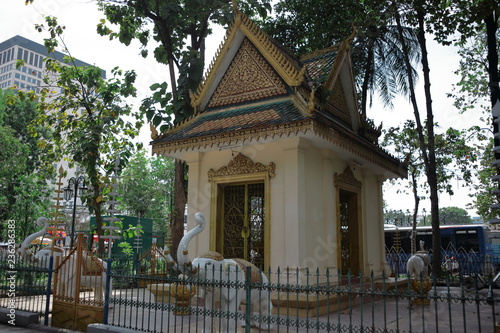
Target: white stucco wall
point(303, 205)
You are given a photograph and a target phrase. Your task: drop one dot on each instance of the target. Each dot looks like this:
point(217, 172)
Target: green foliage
point(18, 115)
point(455, 157)
point(472, 92)
point(307, 26)
point(484, 187)
point(88, 117)
point(473, 27)
point(398, 217)
point(126, 248)
point(458, 20)
point(147, 188)
point(180, 29)
point(454, 215)
point(132, 232)
point(23, 190)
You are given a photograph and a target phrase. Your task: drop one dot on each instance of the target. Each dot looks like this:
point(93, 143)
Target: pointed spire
point(154, 132)
point(349, 39)
point(235, 6)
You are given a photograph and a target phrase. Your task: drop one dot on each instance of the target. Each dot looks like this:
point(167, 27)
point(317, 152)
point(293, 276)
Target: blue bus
point(465, 245)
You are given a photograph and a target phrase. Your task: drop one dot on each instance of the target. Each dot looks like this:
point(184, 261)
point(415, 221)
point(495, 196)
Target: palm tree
point(384, 68)
point(378, 63)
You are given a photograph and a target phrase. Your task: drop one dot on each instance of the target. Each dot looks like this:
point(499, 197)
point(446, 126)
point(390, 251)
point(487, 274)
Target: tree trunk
point(493, 72)
point(431, 148)
point(493, 80)
point(427, 148)
point(416, 199)
point(180, 199)
point(368, 75)
point(98, 222)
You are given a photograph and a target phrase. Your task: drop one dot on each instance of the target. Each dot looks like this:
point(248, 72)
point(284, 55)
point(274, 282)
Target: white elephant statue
point(212, 266)
point(23, 250)
point(418, 265)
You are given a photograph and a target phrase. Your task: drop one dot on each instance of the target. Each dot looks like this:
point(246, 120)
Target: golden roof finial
point(235, 6)
point(349, 39)
point(154, 132)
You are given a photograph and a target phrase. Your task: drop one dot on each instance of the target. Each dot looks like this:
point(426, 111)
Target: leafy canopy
point(91, 123)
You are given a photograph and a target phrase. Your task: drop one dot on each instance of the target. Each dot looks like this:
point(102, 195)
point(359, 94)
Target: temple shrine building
point(281, 162)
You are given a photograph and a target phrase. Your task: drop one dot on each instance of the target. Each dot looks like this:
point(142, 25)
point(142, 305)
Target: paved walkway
point(441, 316)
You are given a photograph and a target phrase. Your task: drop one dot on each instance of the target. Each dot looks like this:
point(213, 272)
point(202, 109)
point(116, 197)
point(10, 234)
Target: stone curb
point(21, 318)
point(101, 328)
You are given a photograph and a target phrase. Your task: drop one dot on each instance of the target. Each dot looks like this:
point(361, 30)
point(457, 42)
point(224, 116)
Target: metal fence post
point(106, 293)
point(248, 300)
point(47, 292)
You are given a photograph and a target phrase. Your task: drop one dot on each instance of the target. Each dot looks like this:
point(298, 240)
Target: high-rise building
point(29, 76)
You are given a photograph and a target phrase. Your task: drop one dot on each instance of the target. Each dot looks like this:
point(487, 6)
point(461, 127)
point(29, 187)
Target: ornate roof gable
point(246, 50)
point(249, 77)
point(330, 70)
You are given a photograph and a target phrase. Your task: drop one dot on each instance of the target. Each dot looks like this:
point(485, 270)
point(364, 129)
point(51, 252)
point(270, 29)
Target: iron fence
point(454, 260)
point(26, 285)
point(297, 300)
point(288, 300)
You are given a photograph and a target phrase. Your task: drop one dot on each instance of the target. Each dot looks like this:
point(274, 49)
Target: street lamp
point(75, 188)
point(425, 212)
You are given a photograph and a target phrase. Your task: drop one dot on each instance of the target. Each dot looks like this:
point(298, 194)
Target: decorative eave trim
point(289, 73)
point(359, 148)
point(301, 104)
point(343, 51)
point(337, 64)
point(242, 165)
point(211, 141)
point(350, 143)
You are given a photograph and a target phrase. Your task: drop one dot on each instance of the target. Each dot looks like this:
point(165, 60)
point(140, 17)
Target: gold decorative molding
point(347, 179)
point(310, 104)
point(338, 104)
point(289, 72)
point(240, 165)
point(368, 153)
point(249, 77)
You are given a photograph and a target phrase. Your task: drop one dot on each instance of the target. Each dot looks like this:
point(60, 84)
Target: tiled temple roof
point(320, 65)
point(257, 90)
point(217, 122)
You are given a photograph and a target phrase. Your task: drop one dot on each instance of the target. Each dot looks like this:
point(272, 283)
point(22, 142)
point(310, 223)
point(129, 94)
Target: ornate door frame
point(240, 170)
point(347, 186)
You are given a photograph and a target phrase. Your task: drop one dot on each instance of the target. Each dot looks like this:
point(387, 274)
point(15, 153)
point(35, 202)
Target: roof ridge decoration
point(292, 75)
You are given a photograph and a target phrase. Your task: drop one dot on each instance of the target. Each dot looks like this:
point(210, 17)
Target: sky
point(80, 17)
